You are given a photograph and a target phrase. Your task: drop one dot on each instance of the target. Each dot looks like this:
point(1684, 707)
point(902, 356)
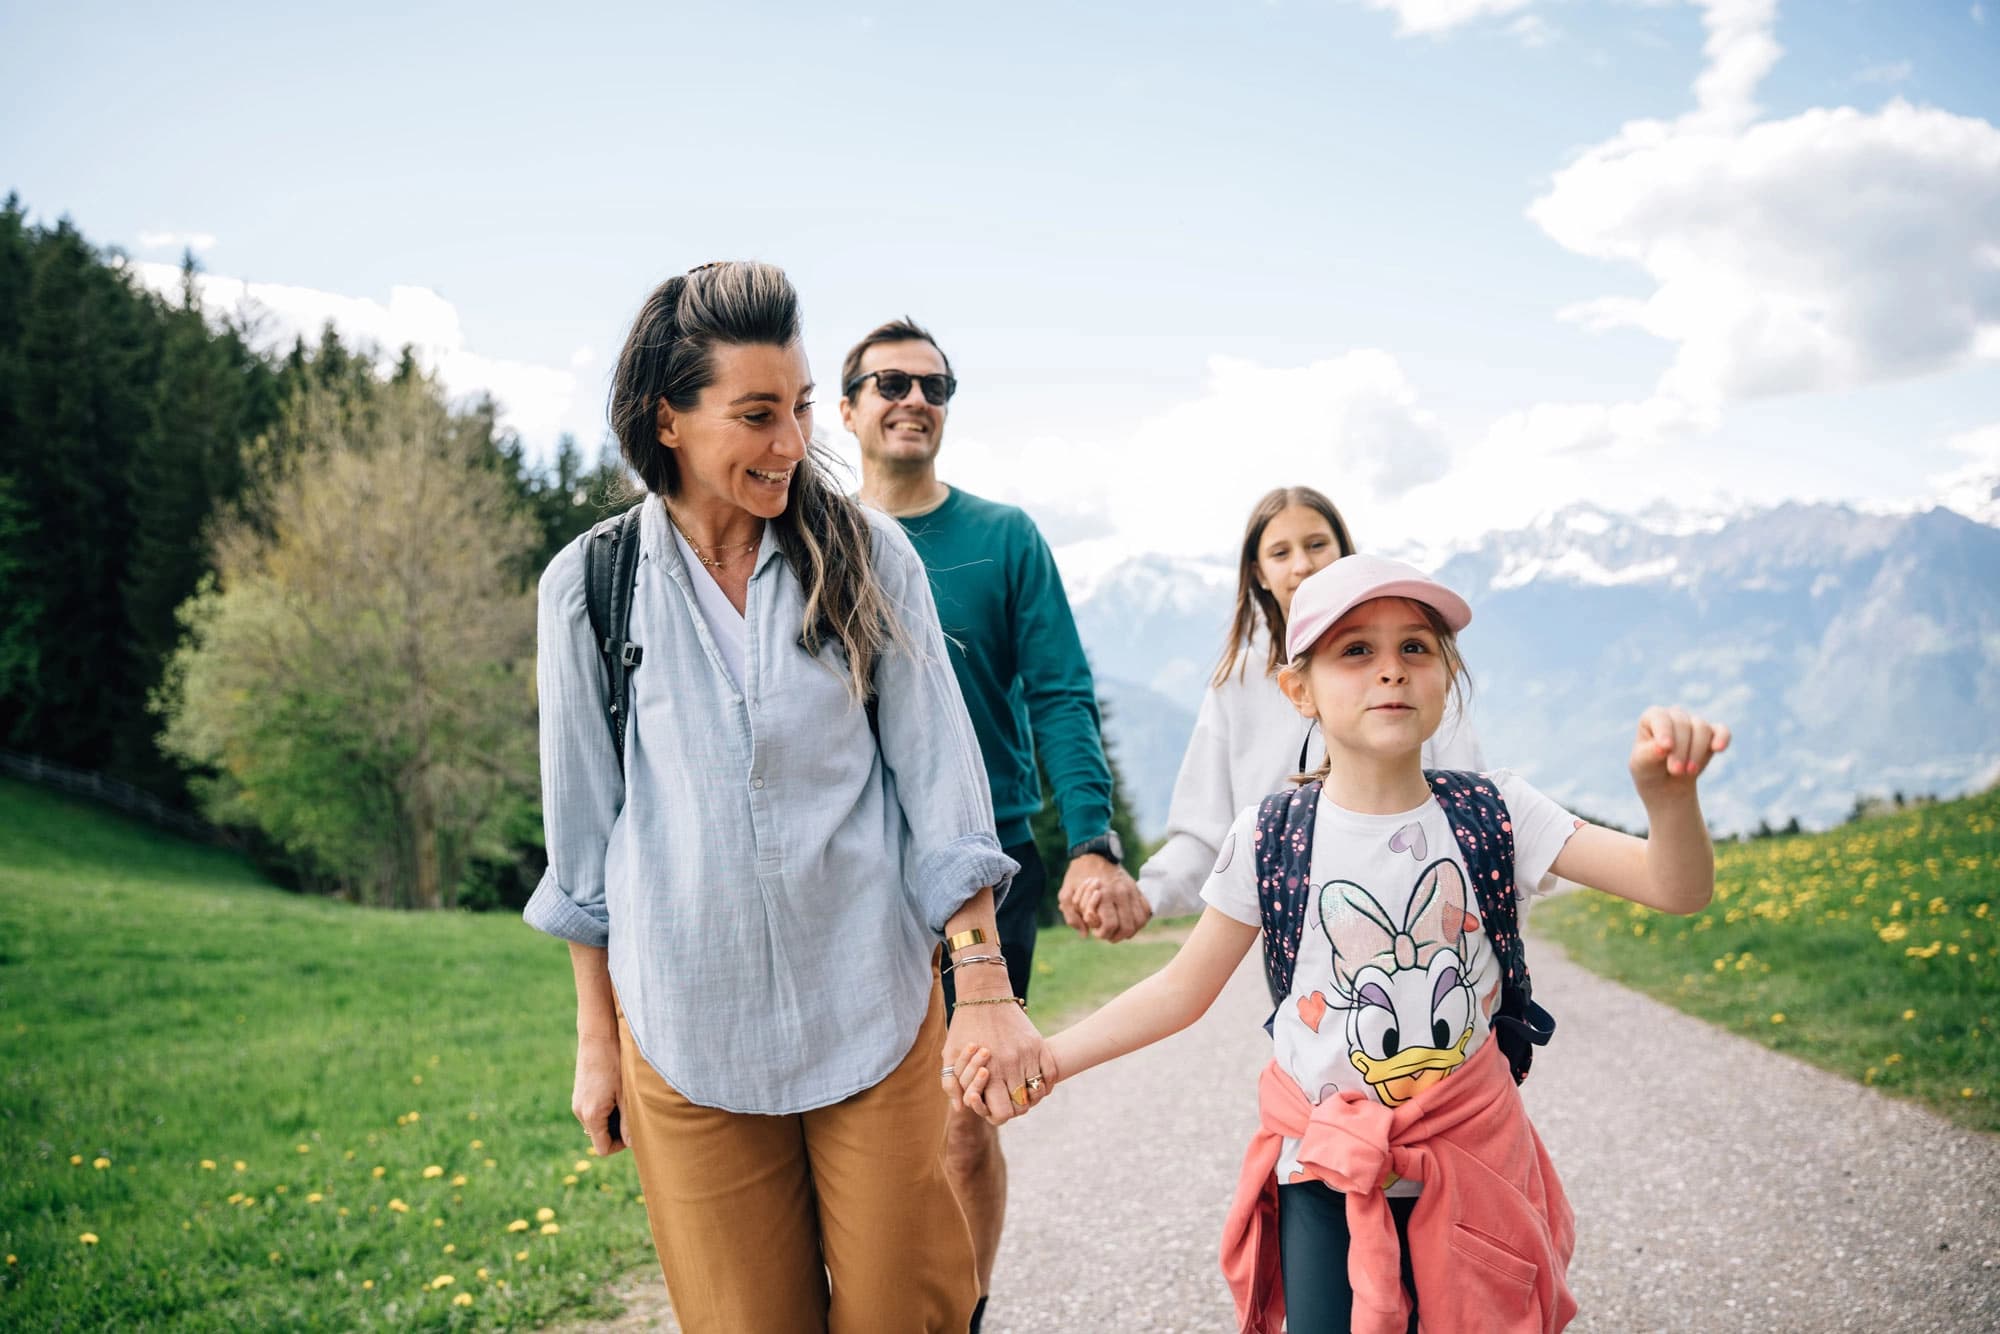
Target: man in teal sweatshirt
point(1020, 666)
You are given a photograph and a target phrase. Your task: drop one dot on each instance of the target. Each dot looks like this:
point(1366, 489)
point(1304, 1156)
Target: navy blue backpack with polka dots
point(1485, 835)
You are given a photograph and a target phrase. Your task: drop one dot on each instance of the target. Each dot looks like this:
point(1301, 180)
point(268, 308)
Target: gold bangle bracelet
point(970, 936)
point(995, 1000)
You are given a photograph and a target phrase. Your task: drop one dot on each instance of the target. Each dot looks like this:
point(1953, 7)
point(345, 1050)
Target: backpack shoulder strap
point(1485, 834)
point(1284, 841)
point(610, 566)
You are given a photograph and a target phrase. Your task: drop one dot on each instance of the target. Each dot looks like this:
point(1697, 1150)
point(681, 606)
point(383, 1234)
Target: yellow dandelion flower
point(479, 1272)
point(479, 1144)
point(1909, 1015)
point(314, 1198)
point(416, 1079)
point(583, 1164)
point(208, 1164)
point(570, 1180)
point(348, 1156)
point(451, 1248)
point(343, 1211)
point(500, 1283)
point(1777, 1018)
point(518, 1225)
point(416, 1117)
point(87, 1238)
point(491, 1163)
point(544, 1214)
point(276, 1256)
point(282, 1189)
point(378, 1172)
point(443, 1281)
point(76, 1160)
point(397, 1206)
point(550, 1229)
point(458, 1180)
point(520, 1255)
point(463, 1299)
point(100, 1163)
point(249, 1201)
point(433, 1171)
point(303, 1148)
point(367, 1283)
point(240, 1165)
point(1893, 1058)
point(1963, 1093)
point(235, 1197)
point(437, 1222)
point(13, 1260)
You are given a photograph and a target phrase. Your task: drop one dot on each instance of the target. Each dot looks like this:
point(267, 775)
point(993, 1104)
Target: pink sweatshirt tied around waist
point(1490, 1237)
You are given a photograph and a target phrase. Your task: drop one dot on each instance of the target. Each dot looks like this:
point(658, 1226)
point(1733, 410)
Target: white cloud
point(1894, 71)
point(1828, 250)
point(1417, 18)
point(195, 241)
point(1974, 489)
point(1180, 481)
point(535, 400)
point(1533, 30)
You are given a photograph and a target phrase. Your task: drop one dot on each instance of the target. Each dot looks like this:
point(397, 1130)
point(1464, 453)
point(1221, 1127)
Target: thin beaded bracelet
point(995, 1000)
point(977, 958)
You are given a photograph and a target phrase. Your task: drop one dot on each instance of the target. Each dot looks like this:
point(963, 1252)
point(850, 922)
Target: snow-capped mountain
point(1852, 653)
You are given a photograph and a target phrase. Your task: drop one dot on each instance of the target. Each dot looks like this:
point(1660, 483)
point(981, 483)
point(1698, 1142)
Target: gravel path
point(1718, 1186)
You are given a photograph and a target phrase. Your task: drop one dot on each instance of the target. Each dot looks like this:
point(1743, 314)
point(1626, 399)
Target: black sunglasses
point(895, 386)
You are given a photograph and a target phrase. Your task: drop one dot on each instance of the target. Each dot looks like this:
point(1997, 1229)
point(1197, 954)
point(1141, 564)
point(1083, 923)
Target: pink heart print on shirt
point(1312, 1009)
point(1410, 838)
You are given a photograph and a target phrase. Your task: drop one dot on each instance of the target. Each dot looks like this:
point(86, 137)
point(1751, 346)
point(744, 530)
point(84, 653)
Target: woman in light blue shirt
point(754, 897)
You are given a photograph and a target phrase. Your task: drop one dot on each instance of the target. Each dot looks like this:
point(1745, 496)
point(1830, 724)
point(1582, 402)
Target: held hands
point(1003, 1066)
point(1671, 749)
point(971, 1082)
point(1100, 898)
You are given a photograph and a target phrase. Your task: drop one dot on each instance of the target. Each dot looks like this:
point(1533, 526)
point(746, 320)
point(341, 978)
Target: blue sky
point(1179, 253)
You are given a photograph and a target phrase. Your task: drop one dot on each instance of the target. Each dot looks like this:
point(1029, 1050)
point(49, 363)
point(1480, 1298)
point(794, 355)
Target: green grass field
point(1871, 950)
point(226, 1107)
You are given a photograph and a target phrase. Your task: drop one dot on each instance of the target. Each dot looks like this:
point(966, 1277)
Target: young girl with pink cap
point(1394, 1169)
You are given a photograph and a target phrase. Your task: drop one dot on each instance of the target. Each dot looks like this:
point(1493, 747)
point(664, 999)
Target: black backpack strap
point(610, 567)
point(1485, 835)
point(1284, 841)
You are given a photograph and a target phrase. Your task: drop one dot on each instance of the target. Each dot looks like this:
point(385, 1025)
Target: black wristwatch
point(1105, 845)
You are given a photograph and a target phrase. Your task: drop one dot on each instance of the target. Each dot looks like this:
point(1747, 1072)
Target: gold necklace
point(712, 562)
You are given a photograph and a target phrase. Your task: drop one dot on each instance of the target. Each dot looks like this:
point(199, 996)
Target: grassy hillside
point(1872, 950)
point(227, 1107)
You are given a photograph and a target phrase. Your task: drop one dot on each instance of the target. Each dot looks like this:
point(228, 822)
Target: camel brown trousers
point(838, 1219)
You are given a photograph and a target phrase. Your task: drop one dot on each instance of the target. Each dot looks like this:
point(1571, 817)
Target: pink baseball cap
point(1333, 591)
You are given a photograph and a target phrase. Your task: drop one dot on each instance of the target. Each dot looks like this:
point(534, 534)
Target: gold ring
point(1019, 1096)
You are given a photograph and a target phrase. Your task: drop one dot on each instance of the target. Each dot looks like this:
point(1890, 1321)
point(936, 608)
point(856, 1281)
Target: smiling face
point(744, 437)
point(1376, 680)
point(1297, 541)
point(903, 431)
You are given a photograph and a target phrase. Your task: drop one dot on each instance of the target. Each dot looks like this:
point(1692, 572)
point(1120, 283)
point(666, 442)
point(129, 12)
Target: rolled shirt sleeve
point(928, 746)
point(583, 785)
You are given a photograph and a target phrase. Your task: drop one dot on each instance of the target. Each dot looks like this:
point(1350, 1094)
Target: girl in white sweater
point(1247, 737)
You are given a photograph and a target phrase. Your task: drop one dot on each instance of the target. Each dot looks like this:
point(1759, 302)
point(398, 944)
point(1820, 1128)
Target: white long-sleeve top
point(1246, 746)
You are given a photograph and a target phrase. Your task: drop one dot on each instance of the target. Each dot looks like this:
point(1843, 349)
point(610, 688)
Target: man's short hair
point(905, 330)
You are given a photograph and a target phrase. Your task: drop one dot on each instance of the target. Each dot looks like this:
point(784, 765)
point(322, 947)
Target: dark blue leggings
point(1312, 1253)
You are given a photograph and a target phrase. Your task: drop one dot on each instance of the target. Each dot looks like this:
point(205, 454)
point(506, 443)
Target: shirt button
point(757, 783)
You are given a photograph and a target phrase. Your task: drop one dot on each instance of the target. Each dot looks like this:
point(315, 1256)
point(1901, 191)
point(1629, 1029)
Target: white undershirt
point(725, 624)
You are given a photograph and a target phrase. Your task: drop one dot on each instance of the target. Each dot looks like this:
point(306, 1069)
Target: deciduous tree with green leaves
point(358, 673)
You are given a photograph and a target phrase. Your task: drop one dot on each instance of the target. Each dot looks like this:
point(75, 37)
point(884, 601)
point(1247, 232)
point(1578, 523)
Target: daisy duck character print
point(1394, 1171)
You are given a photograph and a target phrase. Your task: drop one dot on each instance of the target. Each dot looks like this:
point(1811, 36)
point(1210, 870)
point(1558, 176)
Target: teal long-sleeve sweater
point(1020, 664)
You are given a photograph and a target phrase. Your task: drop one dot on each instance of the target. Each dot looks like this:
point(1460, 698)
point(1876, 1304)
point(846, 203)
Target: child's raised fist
point(1672, 747)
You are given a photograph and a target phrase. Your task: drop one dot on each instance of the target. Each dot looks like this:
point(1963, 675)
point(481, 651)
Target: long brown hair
point(1253, 600)
point(669, 357)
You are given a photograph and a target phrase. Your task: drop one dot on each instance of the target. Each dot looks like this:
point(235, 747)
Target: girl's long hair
point(1253, 600)
point(669, 357)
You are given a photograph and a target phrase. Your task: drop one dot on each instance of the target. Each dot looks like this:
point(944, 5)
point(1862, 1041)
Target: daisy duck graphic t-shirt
point(1396, 983)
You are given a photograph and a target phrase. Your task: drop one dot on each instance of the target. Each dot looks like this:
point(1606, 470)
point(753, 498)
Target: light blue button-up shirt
point(769, 882)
